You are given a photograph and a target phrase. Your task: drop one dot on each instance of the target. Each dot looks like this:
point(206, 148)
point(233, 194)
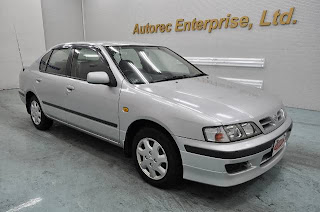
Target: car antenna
point(15, 31)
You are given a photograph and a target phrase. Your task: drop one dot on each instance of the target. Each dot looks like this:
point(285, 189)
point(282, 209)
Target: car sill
point(87, 132)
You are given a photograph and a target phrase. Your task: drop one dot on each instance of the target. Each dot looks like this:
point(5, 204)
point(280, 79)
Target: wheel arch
point(135, 126)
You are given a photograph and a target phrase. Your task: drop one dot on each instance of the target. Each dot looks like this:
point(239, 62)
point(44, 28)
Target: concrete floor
point(66, 170)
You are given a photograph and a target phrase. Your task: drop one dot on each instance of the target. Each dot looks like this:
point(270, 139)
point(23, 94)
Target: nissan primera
point(174, 120)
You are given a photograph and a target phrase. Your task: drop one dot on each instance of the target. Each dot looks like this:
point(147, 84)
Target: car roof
point(104, 43)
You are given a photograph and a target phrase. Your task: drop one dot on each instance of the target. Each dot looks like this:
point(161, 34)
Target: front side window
point(85, 61)
point(143, 64)
point(58, 62)
point(43, 62)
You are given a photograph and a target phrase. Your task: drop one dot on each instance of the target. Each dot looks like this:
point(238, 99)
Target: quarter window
point(43, 62)
point(86, 61)
point(58, 62)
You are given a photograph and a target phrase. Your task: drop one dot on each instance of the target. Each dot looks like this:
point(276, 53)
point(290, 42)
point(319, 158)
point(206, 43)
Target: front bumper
point(231, 163)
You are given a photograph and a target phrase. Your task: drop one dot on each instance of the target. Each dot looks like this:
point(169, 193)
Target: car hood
point(220, 99)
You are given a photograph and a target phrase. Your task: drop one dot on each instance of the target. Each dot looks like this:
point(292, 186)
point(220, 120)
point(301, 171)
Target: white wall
point(21, 19)
point(62, 21)
point(292, 52)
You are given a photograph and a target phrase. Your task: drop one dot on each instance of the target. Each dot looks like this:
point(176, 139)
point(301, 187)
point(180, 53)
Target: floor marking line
point(26, 204)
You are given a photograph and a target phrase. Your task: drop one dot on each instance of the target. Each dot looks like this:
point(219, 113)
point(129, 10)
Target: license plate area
point(278, 144)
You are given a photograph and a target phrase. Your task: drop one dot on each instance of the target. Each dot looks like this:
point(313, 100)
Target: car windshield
point(146, 64)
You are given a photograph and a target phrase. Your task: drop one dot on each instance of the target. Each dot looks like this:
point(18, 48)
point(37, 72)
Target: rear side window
point(86, 61)
point(58, 62)
point(43, 62)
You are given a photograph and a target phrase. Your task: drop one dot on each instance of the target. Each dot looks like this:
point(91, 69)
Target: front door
point(92, 107)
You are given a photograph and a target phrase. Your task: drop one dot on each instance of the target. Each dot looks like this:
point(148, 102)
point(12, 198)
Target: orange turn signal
point(218, 136)
point(125, 109)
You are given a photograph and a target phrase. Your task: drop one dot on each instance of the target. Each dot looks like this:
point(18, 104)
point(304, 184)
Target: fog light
point(237, 167)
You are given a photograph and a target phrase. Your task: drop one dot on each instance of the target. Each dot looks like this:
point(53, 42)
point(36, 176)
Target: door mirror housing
point(98, 77)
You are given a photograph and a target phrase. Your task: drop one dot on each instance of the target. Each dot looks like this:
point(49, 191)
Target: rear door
point(51, 81)
point(92, 107)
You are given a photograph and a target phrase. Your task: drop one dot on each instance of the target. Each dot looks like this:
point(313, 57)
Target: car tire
point(38, 118)
point(157, 158)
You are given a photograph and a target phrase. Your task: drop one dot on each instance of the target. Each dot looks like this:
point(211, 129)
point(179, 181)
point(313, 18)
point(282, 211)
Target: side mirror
point(98, 77)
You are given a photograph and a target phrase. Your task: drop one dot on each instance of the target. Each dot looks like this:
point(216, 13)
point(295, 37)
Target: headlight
point(215, 134)
point(281, 115)
point(248, 129)
point(232, 132)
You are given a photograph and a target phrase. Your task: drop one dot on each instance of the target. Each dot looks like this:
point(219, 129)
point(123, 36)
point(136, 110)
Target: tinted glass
point(58, 62)
point(43, 61)
point(143, 64)
point(86, 61)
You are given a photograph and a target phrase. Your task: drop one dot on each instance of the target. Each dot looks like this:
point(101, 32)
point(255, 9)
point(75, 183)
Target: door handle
point(38, 80)
point(70, 88)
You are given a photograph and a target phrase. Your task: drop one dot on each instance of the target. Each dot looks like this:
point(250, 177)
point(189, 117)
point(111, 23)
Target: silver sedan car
point(173, 119)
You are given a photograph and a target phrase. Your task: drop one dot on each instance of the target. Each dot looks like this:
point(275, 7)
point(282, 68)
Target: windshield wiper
point(173, 78)
point(180, 77)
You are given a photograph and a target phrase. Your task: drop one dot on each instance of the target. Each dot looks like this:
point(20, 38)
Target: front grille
point(267, 123)
point(271, 123)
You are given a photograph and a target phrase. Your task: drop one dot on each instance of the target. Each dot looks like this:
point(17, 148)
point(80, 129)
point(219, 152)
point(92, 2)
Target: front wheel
point(39, 120)
point(157, 159)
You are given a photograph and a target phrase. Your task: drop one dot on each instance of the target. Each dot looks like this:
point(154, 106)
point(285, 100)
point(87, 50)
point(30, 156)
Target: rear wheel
point(156, 157)
point(39, 120)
